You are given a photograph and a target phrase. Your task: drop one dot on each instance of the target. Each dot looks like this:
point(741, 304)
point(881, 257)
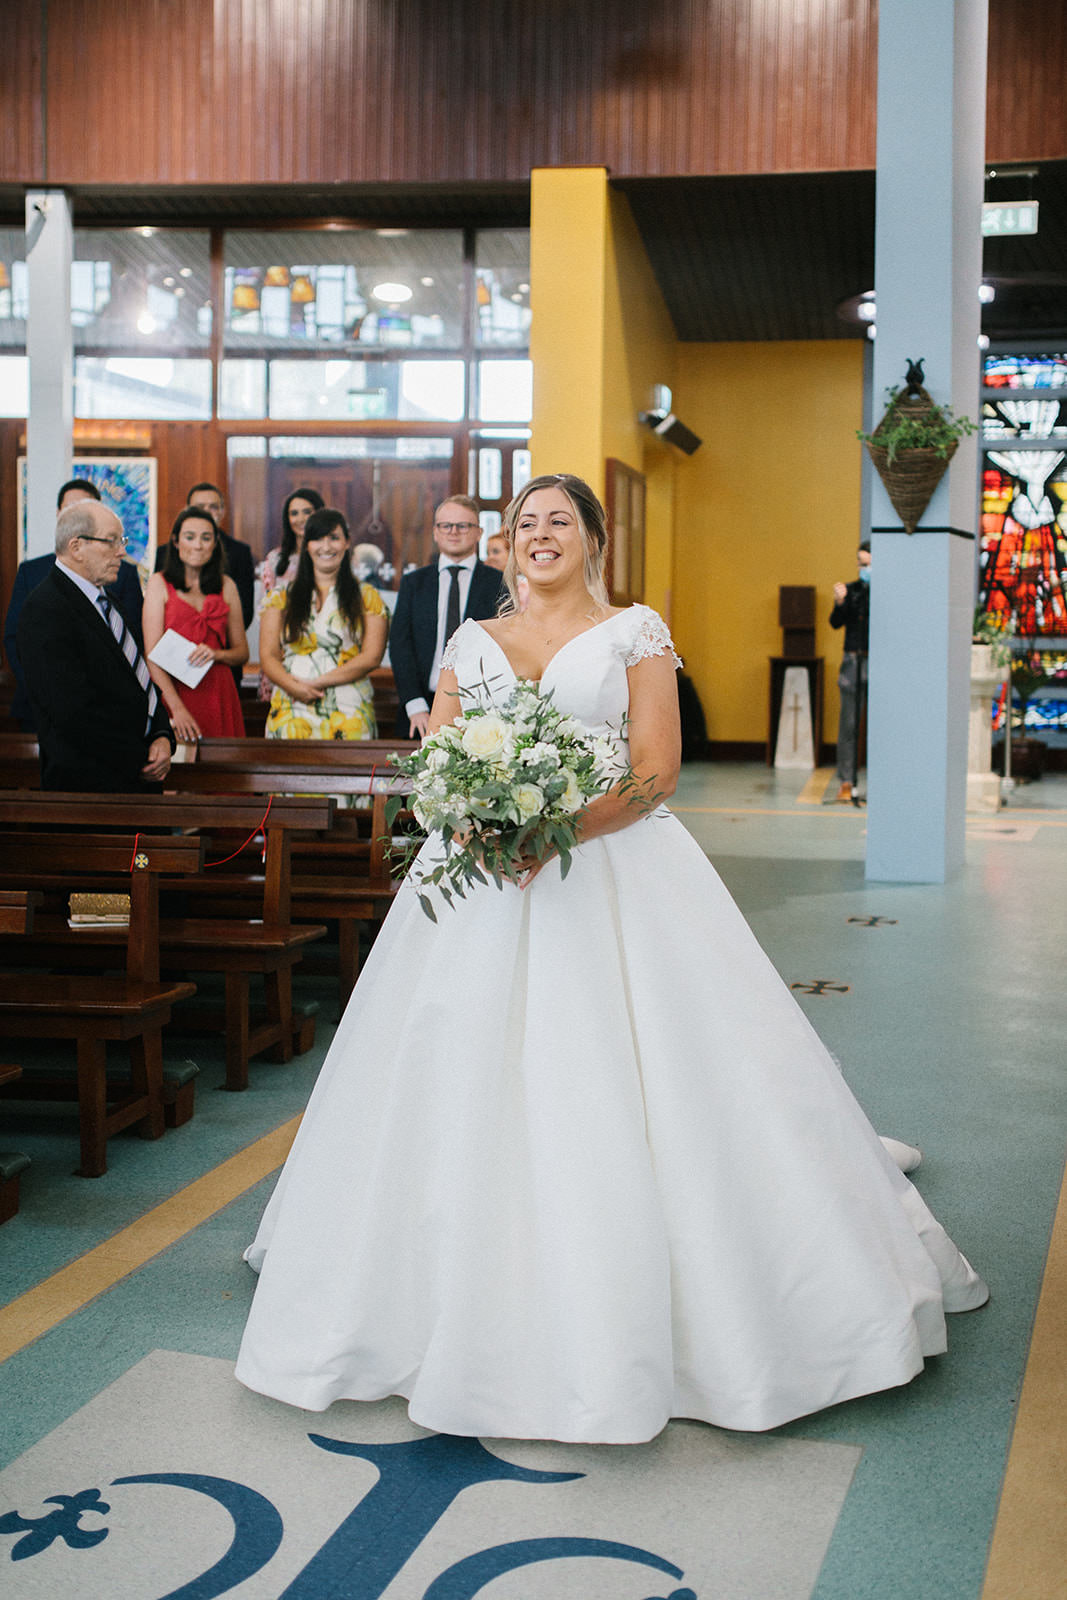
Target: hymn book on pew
point(99, 911)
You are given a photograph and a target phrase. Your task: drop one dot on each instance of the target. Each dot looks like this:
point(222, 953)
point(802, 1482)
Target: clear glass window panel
point(361, 391)
point(14, 386)
point(142, 386)
point(335, 448)
point(12, 288)
point(243, 389)
point(490, 473)
point(245, 444)
point(521, 470)
point(491, 522)
point(502, 287)
point(304, 289)
point(141, 290)
point(504, 391)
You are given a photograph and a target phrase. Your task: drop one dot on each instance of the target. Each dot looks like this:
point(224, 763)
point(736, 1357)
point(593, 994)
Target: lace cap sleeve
point(652, 638)
point(451, 650)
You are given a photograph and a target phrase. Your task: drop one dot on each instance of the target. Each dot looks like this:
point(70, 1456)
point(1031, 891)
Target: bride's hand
point(524, 869)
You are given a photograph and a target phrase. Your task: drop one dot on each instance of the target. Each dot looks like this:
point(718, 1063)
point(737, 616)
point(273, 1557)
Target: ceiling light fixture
point(392, 294)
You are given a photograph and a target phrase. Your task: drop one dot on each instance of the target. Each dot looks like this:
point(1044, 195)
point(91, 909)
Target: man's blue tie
point(128, 644)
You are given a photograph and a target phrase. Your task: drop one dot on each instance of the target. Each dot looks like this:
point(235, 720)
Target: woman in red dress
point(192, 594)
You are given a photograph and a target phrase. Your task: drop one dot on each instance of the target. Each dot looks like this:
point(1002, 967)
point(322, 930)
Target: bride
point(576, 1162)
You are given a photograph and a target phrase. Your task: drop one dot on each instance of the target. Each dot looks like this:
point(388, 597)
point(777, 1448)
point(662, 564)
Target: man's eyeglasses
point(121, 543)
point(454, 527)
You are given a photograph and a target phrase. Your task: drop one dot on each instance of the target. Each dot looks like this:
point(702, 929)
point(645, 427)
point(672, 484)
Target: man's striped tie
point(113, 618)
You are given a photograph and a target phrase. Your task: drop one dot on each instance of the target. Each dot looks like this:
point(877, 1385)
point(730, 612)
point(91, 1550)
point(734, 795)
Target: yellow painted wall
point(568, 251)
point(772, 497)
point(639, 350)
point(600, 338)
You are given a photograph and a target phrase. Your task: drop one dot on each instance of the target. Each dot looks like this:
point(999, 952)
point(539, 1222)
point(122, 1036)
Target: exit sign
point(998, 218)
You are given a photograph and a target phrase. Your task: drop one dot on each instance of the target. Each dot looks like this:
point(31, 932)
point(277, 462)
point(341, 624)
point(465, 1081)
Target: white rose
point(529, 801)
point(437, 760)
point(571, 798)
point(484, 737)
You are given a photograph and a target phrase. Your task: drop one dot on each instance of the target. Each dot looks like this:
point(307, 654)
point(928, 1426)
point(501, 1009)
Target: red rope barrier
point(244, 846)
point(136, 844)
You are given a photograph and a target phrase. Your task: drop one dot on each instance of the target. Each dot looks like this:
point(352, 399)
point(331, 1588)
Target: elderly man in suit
point(431, 604)
point(101, 725)
point(125, 591)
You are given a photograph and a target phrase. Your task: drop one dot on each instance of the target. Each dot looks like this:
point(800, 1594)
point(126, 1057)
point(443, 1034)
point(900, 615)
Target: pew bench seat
point(91, 1010)
point(239, 949)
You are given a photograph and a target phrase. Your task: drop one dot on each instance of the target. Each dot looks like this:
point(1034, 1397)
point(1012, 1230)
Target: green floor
point(943, 1005)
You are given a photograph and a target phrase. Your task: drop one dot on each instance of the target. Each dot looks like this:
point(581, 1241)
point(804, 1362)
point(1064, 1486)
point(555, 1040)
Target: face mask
point(865, 574)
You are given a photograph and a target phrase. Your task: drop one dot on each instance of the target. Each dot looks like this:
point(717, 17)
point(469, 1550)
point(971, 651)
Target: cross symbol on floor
point(821, 986)
point(875, 922)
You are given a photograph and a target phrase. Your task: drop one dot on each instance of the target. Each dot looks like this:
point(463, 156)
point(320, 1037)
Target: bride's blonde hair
point(589, 514)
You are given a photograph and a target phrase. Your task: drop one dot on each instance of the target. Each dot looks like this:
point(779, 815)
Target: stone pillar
point(50, 348)
point(928, 265)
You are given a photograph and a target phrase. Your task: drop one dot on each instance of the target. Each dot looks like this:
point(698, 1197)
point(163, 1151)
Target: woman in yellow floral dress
point(320, 639)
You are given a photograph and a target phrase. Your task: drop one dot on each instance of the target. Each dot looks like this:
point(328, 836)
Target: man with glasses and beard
point(101, 725)
point(431, 604)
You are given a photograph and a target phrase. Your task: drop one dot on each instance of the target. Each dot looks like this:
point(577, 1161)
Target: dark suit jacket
point(90, 709)
point(125, 592)
point(242, 569)
point(413, 635)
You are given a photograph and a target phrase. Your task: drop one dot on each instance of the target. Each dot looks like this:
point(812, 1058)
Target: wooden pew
point(345, 876)
point(17, 909)
point(264, 942)
point(355, 890)
point(92, 1009)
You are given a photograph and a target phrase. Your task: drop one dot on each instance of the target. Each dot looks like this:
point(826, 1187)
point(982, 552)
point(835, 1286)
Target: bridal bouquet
point(500, 785)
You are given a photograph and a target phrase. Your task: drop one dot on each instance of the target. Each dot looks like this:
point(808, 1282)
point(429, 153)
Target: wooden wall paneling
point(130, 91)
point(22, 154)
point(1025, 119)
point(369, 91)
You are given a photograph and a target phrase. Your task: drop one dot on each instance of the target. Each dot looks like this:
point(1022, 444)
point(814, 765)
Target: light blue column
point(50, 348)
point(928, 265)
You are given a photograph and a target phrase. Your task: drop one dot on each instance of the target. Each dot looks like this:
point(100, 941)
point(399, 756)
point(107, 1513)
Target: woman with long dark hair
point(320, 639)
point(192, 594)
point(278, 567)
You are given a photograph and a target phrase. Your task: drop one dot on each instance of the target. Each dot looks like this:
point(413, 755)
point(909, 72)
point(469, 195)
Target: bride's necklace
point(561, 626)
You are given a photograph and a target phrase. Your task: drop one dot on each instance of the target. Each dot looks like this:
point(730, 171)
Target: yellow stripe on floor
point(68, 1290)
point(816, 787)
point(1028, 1556)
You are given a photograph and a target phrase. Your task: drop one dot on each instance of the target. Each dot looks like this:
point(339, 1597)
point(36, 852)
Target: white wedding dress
point(577, 1163)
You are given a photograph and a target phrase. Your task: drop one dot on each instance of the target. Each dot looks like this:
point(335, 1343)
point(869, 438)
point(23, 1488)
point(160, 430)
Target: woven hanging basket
point(912, 476)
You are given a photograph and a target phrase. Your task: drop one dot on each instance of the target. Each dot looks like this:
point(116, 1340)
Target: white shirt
point(91, 591)
point(444, 584)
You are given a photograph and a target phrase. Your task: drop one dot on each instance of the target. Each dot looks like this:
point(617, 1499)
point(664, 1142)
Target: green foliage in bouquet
point(502, 784)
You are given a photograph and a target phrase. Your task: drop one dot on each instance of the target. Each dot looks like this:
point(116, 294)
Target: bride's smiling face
point(549, 542)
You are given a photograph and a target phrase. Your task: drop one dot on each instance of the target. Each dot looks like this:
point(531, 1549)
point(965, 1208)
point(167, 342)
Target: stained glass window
point(1024, 419)
point(1023, 562)
point(1023, 555)
point(1025, 372)
point(373, 287)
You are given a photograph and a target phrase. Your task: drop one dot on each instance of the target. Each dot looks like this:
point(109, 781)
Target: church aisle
point(935, 1001)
